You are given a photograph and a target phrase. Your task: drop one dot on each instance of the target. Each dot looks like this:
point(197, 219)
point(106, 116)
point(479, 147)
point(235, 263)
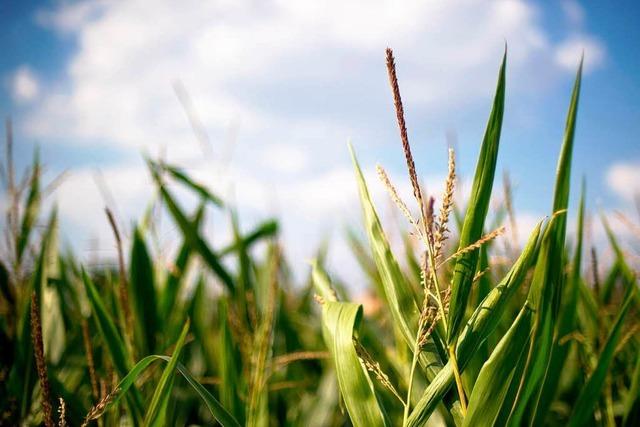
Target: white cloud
point(568, 53)
point(624, 179)
point(248, 62)
point(296, 79)
point(24, 85)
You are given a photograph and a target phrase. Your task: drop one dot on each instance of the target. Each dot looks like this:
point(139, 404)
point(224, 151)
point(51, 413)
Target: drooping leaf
point(215, 407)
point(339, 319)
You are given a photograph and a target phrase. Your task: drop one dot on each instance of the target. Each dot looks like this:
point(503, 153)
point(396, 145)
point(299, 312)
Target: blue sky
point(281, 86)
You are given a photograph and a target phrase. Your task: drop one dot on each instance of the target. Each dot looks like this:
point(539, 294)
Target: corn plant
point(496, 358)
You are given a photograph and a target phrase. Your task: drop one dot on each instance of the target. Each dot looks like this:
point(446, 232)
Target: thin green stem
point(458, 378)
point(414, 363)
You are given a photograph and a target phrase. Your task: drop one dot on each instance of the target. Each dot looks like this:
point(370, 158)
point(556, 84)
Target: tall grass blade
point(476, 211)
point(547, 285)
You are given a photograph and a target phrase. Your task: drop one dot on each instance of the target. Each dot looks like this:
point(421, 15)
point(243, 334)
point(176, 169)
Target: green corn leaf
point(321, 282)
point(200, 189)
point(565, 326)
point(609, 283)
point(155, 416)
point(263, 230)
point(339, 320)
point(106, 327)
point(31, 210)
point(491, 389)
point(398, 293)
point(120, 357)
point(627, 274)
point(547, 286)
point(175, 276)
point(481, 324)
point(215, 407)
point(143, 293)
point(22, 378)
point(476, 211)
point(190, 233)
point(590, 393)
point(229, 374)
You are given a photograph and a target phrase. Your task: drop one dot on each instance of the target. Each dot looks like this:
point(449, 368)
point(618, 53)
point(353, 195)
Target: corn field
point(465, 326)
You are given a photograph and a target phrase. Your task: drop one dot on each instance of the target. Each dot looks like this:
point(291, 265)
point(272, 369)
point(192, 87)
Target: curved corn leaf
point(476, 211)
point(339, 319)
point(203, 191)
point(217, 410)
point(321, 282)
point(398, 293)
point(481, 324)
point(590, 393)
point(156, 412)
point(265, 229)
point(491, 389)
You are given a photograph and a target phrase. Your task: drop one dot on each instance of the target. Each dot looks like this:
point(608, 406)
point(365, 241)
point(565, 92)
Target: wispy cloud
point(296, 79)
point(624, 179)
point(24, 85)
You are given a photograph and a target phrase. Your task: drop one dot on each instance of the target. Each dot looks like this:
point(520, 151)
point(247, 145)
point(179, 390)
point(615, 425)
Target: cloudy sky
point(279, 87)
